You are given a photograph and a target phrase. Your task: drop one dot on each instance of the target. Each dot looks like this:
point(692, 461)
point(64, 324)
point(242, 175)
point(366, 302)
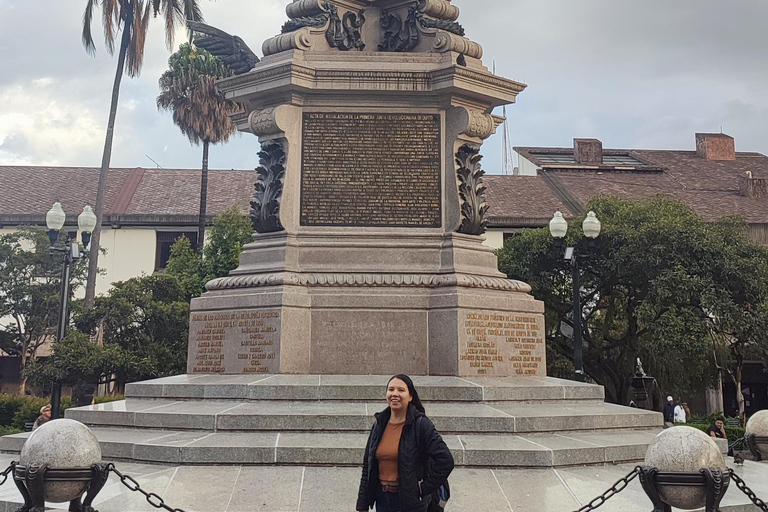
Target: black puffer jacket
point(421, 447)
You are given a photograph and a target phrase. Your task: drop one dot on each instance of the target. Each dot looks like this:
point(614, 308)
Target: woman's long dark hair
point(416, 402)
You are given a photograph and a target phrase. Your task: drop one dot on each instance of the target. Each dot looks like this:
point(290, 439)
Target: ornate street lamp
point(55, 219)
point(558, 228)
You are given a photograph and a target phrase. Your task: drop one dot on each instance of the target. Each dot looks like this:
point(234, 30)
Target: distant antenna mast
point(507, 161)
point(153, 161)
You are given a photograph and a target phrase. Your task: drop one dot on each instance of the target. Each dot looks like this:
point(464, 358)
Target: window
point(165, 239)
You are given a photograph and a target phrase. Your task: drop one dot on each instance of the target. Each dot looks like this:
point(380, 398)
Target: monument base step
point(329, 449)
point(331, 489)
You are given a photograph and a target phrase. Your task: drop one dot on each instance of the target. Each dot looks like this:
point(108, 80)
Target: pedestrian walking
point(679, 414)
point(669, 410)
point(405, 460)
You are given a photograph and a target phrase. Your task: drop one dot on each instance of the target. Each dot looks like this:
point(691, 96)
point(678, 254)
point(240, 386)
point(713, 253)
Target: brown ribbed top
point(386, 453)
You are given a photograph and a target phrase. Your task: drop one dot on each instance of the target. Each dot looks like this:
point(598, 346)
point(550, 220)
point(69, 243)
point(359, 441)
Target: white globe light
point(55, 217)
point(591, 226)
point(558, 226)
point(86, 222)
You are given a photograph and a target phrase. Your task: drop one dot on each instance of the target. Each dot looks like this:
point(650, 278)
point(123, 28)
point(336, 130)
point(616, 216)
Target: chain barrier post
point(748, 492)
point(152, 498)
point(615, 489)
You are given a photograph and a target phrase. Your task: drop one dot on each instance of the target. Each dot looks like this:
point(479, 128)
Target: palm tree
point(132, 17)
point(201, 111)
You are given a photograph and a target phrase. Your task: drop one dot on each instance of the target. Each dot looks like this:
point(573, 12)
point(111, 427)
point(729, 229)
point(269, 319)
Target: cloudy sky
point(637, 74)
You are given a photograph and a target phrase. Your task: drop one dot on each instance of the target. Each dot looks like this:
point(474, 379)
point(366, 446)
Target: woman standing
point(406, 460)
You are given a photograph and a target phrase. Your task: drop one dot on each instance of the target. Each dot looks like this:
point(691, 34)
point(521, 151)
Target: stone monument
point(368, 254)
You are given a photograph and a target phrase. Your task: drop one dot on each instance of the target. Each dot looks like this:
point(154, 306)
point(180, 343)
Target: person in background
point(679, 414)
point(718, 429)
point(669, 410)
point(45, 416)
point(687, 410)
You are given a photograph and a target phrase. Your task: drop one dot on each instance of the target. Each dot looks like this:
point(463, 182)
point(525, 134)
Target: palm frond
point(139, 29)
point(87, 37)
point(111, 14)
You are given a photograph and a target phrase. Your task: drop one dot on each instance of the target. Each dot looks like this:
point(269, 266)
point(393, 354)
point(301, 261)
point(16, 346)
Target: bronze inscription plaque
point(371, 170)
point(234, 342)
point(502, 344)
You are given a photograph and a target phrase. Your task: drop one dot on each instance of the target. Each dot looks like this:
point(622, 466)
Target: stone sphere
point(758, 425)
point(683, 450)
point(62, 443)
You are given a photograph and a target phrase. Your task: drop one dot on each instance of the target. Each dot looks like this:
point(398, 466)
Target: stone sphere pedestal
point(678, 453)
point(62, 444)
point(757, 435)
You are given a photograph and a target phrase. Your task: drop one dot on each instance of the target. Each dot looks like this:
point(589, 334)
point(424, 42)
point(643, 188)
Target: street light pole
point(558, 227)
point(55, 219)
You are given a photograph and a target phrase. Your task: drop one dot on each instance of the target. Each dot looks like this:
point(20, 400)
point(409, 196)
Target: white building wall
point(130, 253)
point(527, 168)
point(494, 238)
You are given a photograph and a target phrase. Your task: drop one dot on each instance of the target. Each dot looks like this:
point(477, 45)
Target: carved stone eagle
point(232, 50)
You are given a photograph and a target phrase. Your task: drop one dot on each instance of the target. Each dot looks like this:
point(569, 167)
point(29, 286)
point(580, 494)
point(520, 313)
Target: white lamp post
point(55, 219)
point(558, 228)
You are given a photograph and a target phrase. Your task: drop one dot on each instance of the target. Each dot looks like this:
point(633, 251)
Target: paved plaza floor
point(334, 489)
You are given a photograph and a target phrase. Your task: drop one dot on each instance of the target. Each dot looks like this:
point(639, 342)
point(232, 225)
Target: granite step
point(330, 416)
point(360, 388)
point(326, 449)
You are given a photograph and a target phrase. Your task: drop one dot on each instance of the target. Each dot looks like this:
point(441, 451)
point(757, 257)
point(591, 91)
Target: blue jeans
point(389, 501)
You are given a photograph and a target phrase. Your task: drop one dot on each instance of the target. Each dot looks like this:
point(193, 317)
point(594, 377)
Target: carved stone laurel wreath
point(265, 206)
point(471, 190)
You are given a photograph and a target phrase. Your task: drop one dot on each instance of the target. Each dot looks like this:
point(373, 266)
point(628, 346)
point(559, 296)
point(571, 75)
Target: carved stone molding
point(480, 125)
point(304, 8)
point(265, 206)
point(471, 191)
point(441, 9)
point(448, 42)
point(368, 280)
point(264, 122)
point(300, 39)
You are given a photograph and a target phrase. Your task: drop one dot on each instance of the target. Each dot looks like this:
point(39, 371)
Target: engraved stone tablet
point(379, 170)
point(502, 344)
point(234, 342)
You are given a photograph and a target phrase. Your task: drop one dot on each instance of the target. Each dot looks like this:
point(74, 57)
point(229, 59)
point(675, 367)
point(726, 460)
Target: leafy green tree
point(187, 267)
point(147, 317)
point(738, 304)
point(644, 288)
point(30, 287)
point(132, 18)
point(230, 232)
point(201, 111)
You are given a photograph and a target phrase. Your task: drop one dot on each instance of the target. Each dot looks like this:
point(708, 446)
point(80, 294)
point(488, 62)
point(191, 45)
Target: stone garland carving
point(481, 125)
point(450, 26)
point(265, 206)
point(368, 280)
point(342, 32)
point(300, 8)
point(399, 35)
point(471, 190)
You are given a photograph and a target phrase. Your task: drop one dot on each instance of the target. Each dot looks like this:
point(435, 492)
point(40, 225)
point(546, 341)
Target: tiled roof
point(711, 188)
point(30, 191)
point(520, 197)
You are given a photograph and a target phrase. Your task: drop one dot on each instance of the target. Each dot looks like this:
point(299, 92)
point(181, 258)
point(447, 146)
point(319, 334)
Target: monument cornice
point(294, 75)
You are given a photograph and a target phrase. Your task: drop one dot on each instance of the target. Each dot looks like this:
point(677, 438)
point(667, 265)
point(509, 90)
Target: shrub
point(108, 398)
point(15, 410)
point(6, 431)
point(735, 434)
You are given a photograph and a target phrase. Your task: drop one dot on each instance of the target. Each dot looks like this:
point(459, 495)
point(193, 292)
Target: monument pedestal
point(369, 208)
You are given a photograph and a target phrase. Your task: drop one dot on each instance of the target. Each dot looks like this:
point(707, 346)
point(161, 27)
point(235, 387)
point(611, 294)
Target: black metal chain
point(153, 499)
point(5, 474)
point(613, 491)
point(746, 490)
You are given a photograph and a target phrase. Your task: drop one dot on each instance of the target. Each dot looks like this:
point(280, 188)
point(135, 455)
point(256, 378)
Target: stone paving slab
point(360, 387)
point(449, 417)
point(334, 489)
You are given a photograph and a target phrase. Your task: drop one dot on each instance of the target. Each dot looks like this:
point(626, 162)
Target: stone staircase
point(324, 420)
